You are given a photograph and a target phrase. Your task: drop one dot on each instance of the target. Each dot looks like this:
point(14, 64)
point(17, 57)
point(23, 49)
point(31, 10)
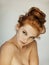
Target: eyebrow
point(25, 30)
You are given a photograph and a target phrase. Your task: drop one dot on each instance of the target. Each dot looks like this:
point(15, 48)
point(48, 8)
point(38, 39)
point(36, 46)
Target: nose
point(25, 40)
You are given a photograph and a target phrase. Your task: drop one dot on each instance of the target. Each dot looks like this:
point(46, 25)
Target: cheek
point(35, 33)
point(22, 36)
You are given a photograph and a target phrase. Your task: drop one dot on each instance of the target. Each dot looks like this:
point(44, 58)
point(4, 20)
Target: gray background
point(10, 11)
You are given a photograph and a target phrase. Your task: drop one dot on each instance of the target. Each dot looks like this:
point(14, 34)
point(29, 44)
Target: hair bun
point(38, 14)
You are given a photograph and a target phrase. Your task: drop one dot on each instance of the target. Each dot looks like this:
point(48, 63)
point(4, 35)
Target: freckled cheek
point(22, 37)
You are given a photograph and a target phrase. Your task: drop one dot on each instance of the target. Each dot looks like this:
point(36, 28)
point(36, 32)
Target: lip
point(22, 42)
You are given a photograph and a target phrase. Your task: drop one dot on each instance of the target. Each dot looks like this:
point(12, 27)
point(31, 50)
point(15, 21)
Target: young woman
point(22, 48)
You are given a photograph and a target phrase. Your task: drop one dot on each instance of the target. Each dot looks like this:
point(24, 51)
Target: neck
point(18, 43)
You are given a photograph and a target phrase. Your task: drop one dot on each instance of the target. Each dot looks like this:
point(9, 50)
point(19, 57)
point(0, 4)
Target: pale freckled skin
point(22, 48)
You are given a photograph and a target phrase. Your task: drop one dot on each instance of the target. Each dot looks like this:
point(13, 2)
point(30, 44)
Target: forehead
point(30, 29)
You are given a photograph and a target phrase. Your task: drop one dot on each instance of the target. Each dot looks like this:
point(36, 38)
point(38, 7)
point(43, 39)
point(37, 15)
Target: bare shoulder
point(7, 52)
point(33, 44)
point(8, 46)
point(34, 59)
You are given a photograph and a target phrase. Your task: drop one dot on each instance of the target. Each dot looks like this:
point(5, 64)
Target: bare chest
point(21, 57)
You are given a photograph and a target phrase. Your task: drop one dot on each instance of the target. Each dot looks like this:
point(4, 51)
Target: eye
point(33, 37)
point(25, 32)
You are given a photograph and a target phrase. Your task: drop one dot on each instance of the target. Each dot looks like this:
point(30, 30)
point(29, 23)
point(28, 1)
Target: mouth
point(25, 43)
point(22, 42)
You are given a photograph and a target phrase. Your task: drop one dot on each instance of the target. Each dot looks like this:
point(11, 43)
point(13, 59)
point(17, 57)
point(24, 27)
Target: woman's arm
point(7, 53)
point(34, 55)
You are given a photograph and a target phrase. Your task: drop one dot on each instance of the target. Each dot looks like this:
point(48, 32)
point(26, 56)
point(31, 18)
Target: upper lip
point(22, 42)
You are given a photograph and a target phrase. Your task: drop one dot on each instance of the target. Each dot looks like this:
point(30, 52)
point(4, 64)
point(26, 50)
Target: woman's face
point(26, 34)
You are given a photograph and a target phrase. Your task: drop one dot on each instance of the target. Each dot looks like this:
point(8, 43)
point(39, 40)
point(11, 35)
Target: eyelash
point(33, 37)
point(24, 32)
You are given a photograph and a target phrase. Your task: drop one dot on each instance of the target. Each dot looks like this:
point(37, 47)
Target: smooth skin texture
point(22, 48)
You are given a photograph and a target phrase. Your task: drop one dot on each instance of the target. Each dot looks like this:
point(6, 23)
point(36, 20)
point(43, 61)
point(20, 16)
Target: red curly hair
point(35, 16)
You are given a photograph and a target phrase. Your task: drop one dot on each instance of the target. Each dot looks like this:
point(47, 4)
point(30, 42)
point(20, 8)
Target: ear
point(43, 30)
point(17, 26)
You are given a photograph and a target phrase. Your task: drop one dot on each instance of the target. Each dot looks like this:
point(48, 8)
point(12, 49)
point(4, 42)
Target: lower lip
point(22, 42)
